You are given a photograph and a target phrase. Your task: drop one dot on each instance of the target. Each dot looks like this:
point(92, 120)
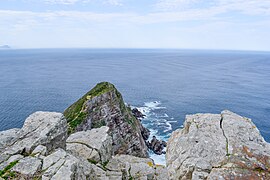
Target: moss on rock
point(104, 106)
point(76, 113)
point(6, 173)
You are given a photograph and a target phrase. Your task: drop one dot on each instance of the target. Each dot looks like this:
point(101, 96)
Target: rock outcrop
point(94, 145)
point(157, 146)
point(41, 128)
point(218, 146)
point(22, 152)
point(98, 138)
point(137, 113)
point(104, 106)
point(83, 155)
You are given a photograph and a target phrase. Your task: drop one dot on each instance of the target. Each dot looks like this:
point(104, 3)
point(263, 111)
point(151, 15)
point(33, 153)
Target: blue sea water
point(165, 84)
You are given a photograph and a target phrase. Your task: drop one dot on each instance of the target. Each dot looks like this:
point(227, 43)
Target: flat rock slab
point(8, 137)
point(40, 128)
point(62, 165)
point(137, 168)
point(217, 146)
point(28, 166)
point(95, 144)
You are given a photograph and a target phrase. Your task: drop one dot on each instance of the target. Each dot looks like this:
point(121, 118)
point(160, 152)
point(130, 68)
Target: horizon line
point(131, 48)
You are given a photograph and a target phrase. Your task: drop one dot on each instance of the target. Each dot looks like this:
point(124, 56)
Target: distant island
point(5, 47)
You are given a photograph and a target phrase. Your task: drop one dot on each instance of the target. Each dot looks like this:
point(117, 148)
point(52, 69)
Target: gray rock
point(137, 113)
point(62, 165)
point(217, 146)
point(137, 168)
point(95, 144)
point(40, 150)
point(28, 166)
point(41, 128)
point(8, 137)
point(58, 156)
point(97, 173)
point(157, 146)
point(104, 106)
point(11, 159)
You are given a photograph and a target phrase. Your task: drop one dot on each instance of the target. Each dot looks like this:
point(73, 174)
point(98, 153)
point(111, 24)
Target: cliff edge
point(218, 146)
point(98, 138)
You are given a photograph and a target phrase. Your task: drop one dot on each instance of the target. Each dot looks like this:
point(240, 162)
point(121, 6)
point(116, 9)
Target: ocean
point(164, 84)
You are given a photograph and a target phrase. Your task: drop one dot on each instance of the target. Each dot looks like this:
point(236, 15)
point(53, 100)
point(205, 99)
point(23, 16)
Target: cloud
point(173, 4)
point(62, 1)
point(213, 13)
point(70, 2)
point(114, 2)
point(251, 7)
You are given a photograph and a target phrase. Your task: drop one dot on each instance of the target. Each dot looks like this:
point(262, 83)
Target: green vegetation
point(76, 114)
point(105, 164)
point(92, 161)
point(129, 174)
point(99, 124)
point(6, 173)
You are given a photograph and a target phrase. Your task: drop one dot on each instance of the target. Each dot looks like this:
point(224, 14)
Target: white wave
point(158, 159)
point(154, 119)
point(154, 105)
point(144, 110)
point(172, 121)
point(169, 127)
point(162, 116)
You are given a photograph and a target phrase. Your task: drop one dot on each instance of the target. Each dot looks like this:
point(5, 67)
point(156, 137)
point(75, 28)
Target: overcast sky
point(192, 24)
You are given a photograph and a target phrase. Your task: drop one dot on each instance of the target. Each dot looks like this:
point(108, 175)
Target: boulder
point(41, 128)
point(11, 159)
point(218, 146)
point(137, 168)
point(104, 106)
point(8, 137)
point(137, 113)
point(27, 167)
point(157, 146)
point(94, 145)
point(40, 151)
point(62, 165)
point(145, 132)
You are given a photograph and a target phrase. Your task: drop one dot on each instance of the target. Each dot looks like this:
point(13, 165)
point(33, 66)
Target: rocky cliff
point(218, 146)
point(98, 138)
point(104, 106)
point(43, 150)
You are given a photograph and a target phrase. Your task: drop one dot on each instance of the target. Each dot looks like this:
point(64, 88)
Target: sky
point(184, 24)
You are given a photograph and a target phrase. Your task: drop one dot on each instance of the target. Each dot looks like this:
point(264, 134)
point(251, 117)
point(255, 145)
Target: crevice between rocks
point(223, 132)
point(87, 145)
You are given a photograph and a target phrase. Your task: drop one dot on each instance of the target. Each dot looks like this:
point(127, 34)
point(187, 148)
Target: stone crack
point(223, 132)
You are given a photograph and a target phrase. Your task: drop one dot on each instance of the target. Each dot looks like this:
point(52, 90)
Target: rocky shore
point(100, 138)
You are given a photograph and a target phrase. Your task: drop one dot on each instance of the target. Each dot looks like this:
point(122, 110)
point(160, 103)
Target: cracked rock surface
point(40, 128)
point(95, 144)
point(218, 146)
point(41, 150)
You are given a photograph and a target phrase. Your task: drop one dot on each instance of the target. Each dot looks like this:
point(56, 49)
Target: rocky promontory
point(100, 138)
point(104, 106)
